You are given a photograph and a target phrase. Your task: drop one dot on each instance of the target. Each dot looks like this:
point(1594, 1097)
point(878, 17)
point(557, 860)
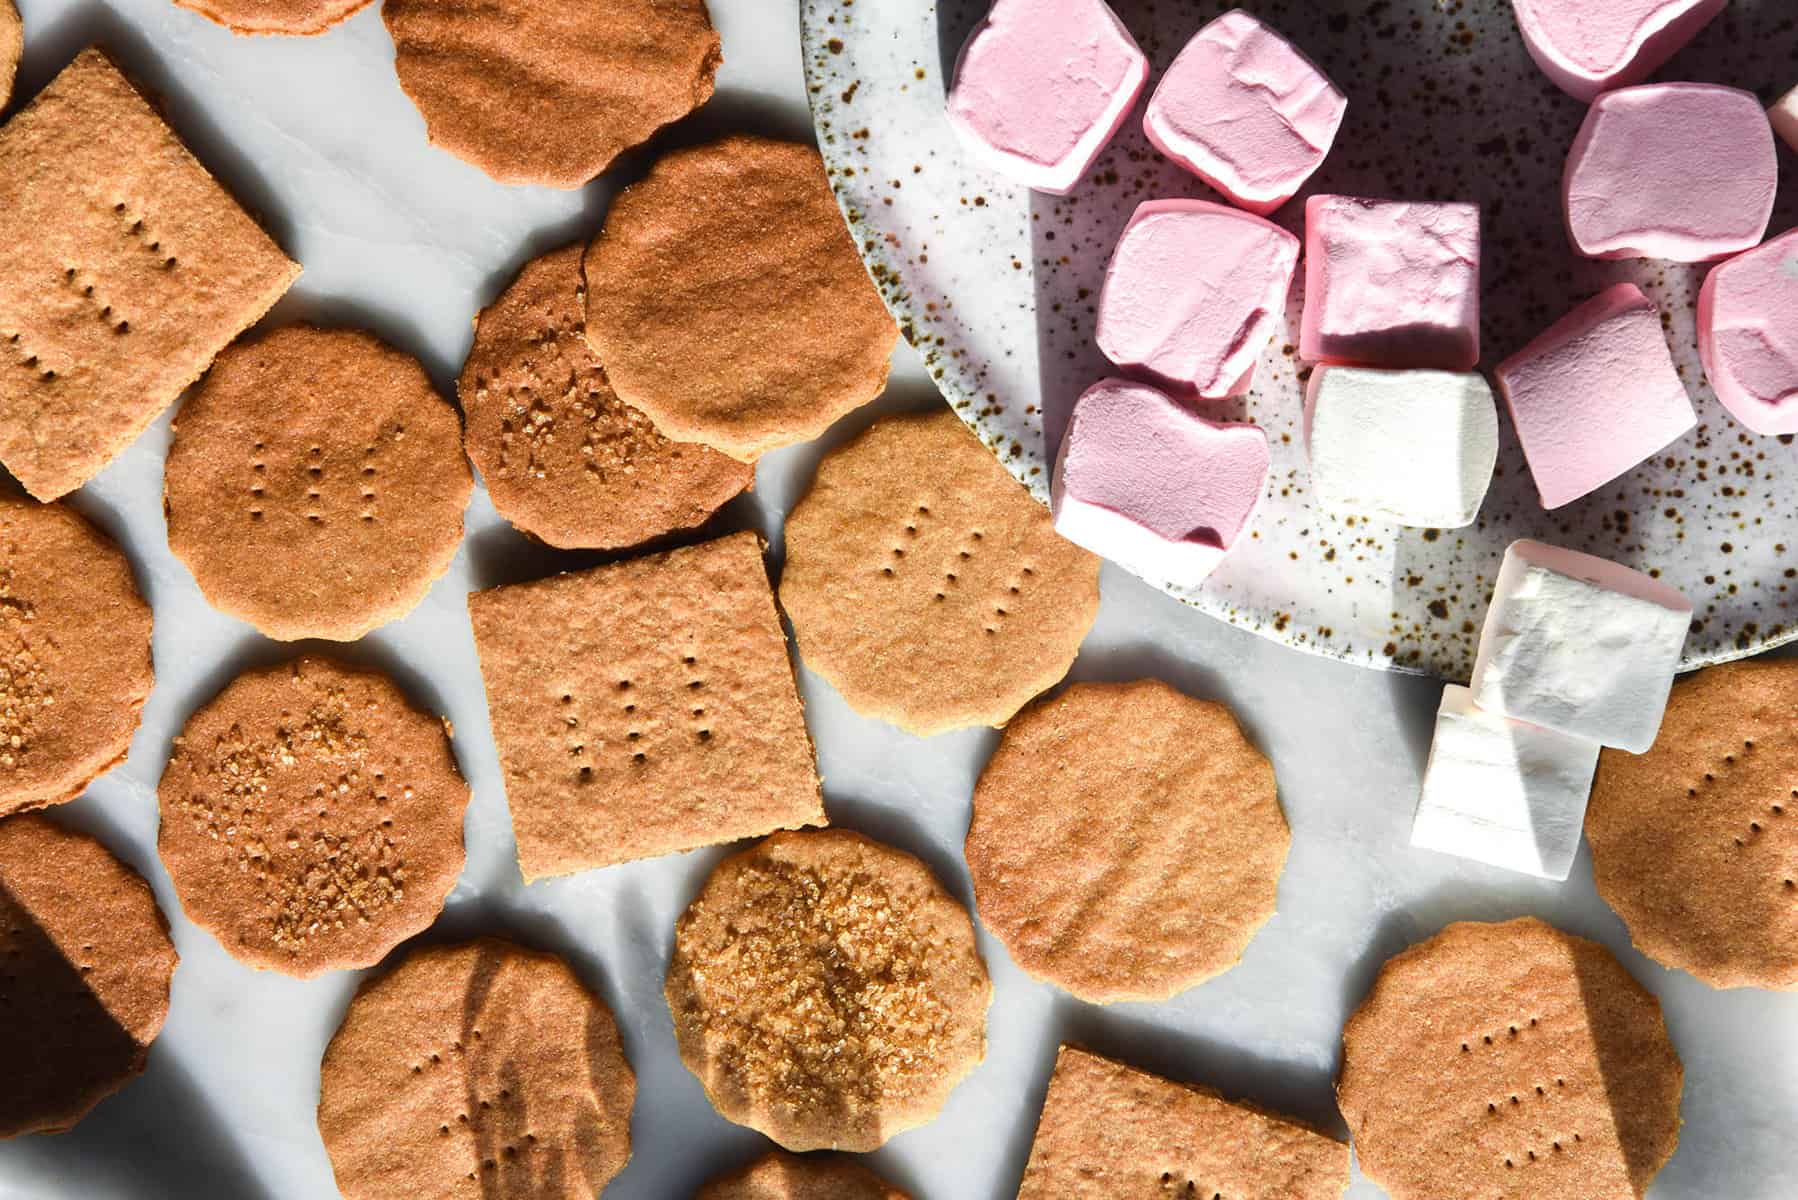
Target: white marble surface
point(395, 235)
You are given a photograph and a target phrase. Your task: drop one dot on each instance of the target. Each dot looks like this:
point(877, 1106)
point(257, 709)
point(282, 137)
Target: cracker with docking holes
point(127, 269)
point(316, 483)
point(645, 707)
point(74, 654)
point(1695, 843)
point(86, 981)
point(1108, 1131)
point(826, 990)
point(729, 302)
point(782, 1176)
point(1181, 839)
point(479, 1071)
point(925, 585)
point(312, 817)
point(12, 46)
point(293, 18)
point(564, 458)
point(1511, 1061)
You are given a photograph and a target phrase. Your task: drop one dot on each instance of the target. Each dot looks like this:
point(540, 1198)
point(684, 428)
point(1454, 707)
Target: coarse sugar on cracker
point(1109, 1131)
point(1510, 1061)
point(782, 1176)
point(1181, 835)
point(127, 268)
point(827, 991)
point(645, 707)
point(292, 18)
point(926, 585)
point(12, 47)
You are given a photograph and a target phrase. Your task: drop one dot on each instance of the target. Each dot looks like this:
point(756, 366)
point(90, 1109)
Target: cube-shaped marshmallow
point(1784, 117)
point(1595, 394)
point(1682, 171)
point(1503, 792)
point(1412, 447)
point(1391, 284)
point(1592, 46)
point(1194, 292)
point(1246, 111)
point(1580, 645)
point(1153, 486)
point(1040, 87)
point(1748, 335)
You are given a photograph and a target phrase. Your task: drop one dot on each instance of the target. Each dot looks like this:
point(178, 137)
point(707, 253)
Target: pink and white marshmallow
point(1592, 46)
point(1784, 117)
point(1681, 171)
point(1246, 111)
point(1144, 481)
point(1193, 293)
point(1748, 335)
point(1595, 394)
point(1042, 85)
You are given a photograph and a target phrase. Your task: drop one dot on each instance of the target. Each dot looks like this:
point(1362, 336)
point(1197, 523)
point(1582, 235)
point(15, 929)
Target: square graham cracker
point(645, 707)
point(126, 269)
point(1108, 1130)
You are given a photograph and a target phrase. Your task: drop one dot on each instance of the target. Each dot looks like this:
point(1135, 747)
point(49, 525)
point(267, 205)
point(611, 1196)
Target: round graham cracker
point(312, 817)
point(12, 47)
point(539, 92)
point(1695, 843)
point(928, 587)
point(778, 1176)
point(74, 654)
point(1180, 832)
point(564, 459)
point(1513, 1062)
point(316, 483)
point(296, 18)
point(826, 991)
point(85, 964)
point(728, 301)
point(481, 1071)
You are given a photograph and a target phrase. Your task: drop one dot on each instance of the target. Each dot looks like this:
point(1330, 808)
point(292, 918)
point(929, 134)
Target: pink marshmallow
point(1156, 488)
point(1682, 171)
point(1591, 46)
point(1042, 85)
point(1391, 284)
point(1748, 335)
point(1194, 292)
point(1784, 116)
point(1595, 394)
point(1245, 111)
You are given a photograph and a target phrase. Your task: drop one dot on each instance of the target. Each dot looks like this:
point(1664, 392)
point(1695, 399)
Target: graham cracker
point(781, 1176)
point(12, 47)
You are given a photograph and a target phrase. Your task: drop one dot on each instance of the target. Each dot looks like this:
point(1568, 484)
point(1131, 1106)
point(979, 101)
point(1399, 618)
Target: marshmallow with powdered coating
point(1748, 335)
point(1784, 116)
point(1589, 47)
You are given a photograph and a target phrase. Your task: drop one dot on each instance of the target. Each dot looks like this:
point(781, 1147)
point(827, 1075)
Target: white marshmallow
point(1580, 645)
point(1503, 792)
point(1412, 447)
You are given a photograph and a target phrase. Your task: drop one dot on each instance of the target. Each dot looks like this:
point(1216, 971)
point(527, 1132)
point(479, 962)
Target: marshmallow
point(1391, 284)
point(1411, 447)
point(1682, 171)
point(1194, 292)
point(1245, 111)
point(1595, 394)
point(1784, 116)
point(1580, 645)
point(1503, 792)
point(1589, 47)
point(1748, 335)
point(1154, 487)
point(1040, 87)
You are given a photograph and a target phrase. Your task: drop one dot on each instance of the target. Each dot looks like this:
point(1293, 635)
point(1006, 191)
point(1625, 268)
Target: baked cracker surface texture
point(293, 18)
point(12, 46)
point(782, 1176)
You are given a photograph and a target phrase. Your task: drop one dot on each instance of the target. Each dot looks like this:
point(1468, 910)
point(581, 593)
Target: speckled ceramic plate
point(996, 286)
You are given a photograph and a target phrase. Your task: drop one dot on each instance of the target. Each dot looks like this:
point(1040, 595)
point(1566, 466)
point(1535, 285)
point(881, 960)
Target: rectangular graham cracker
point(126, 269)
point(1108, 1131)
point(645, 707)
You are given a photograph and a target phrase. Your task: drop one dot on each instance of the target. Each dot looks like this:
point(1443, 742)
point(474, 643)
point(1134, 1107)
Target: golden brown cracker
point(1109, 1131)
point(482, 1071)
point(12, 47)
point(127, 269)
point(826, 990)
point(85, 964)
point(1510, 1061)
point(302, 18)
point(316, 483)
point(312, 817)
point(1179, 831)
point(644, 708)
point(564, 458)
point(74, 654)
point(540, 92)
point(928, 587)
point(727, 300)
point(781, 1176)
point(1695, 843)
